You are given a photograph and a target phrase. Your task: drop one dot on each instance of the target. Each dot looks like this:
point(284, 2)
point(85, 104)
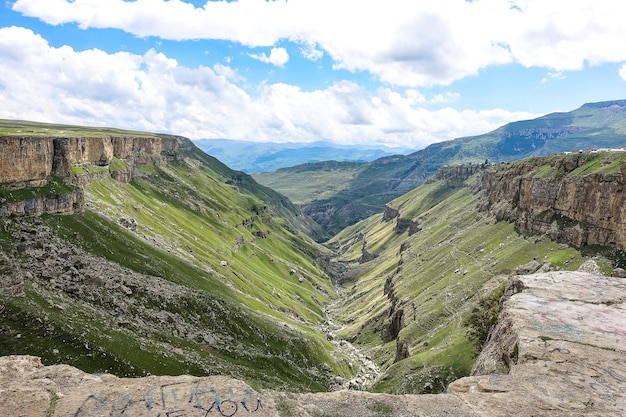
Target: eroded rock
point(564, 334)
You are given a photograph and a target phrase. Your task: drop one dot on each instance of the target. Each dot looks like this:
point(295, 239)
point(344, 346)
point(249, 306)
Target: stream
point(365, 370)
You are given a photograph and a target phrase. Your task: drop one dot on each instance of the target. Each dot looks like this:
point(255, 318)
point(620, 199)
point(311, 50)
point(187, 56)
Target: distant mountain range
point(252, 157)
point(364, 189)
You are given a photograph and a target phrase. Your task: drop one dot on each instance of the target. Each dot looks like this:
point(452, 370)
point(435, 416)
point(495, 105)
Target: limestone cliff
point(31, 162)
point(578, 199)
point(456, 175)
point(25, 161)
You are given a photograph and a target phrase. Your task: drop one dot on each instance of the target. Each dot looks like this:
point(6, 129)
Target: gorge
point(166, 262)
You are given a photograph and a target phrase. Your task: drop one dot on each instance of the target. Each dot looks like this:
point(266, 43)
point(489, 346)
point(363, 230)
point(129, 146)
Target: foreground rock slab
point(559, 349)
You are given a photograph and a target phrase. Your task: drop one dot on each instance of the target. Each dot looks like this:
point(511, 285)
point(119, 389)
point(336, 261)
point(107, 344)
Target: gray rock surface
point(560, 345)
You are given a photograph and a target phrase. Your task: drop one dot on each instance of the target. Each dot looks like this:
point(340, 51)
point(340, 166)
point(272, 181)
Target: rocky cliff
point(577, 198)
point(561, 340)
point(456, 175)
point(32, 162)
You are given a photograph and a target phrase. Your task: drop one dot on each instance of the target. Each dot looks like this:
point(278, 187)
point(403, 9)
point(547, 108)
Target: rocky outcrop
point(560, 343)
point(390, 213)
point(395, 321)
point(402, 225)
point(30, 162)
point(554, 312)
point(456, 175)
point(66, 203)
point(578, 209)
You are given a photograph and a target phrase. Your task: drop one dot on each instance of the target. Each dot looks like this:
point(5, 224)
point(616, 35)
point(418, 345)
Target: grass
point(324, 180)
point(284, 407)
point(438, 277)
point(54, 186)
point(189, 221)
point(117, 165)
point(28, 128)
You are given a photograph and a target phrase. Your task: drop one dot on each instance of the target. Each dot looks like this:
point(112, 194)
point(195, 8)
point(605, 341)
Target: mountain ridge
point(252, 157)
point(365, 190)
point(185, 264)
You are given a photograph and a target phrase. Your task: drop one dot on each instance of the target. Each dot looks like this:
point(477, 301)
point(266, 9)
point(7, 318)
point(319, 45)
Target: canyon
point(107, 223)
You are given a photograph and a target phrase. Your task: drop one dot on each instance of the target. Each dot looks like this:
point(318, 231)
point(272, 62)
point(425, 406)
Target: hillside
point(364, 190)
point(422, 280)
point(137, 254)
point(559, 362)
point(163, 261)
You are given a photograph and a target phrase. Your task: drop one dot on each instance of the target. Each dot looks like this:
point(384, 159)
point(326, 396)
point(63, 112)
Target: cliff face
point(557, 198)
point(25, 161)
point(456, 175)
point(31, 161)
point(48, 204)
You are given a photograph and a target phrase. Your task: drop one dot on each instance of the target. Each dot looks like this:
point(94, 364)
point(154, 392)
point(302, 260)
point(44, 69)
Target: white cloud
point(558, 75)
point(278, 57)
point(622, 72)
point(408, 43)
point(311, 52)
point(154, 92)
point(446, 97)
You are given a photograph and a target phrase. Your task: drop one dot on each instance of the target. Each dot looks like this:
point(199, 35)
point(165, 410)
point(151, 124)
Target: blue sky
point(399, 72)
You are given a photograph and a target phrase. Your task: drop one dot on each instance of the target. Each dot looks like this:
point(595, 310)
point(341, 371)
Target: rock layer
point(580, 210)
point(29, 161)
point(49, 204)
point(560, 339)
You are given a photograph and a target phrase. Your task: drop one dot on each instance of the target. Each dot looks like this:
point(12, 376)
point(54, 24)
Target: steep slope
point(423, 279)
point(594, 125)
point(167, 262)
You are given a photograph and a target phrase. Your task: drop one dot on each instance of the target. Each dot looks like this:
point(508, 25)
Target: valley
point(136, 254)
point(340, 194)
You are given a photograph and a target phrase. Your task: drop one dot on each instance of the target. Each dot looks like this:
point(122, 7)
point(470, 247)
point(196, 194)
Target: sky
point(395, 72)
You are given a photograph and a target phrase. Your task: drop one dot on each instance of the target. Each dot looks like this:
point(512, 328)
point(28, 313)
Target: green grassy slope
point(324, 179)
point(29, 128)
point(218, 277)
point(439, 275)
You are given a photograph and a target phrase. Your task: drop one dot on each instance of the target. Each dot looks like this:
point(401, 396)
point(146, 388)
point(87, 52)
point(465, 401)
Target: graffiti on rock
point(179, 399)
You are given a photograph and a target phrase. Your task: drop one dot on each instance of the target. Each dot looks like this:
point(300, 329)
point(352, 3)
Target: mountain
point(136, 254)
point(252, 157)
point(423, 279)
point(363, 190)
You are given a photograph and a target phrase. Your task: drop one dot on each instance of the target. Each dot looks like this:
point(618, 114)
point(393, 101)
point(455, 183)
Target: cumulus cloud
point(403, 43)
point(278, 57)
point(154, 92)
